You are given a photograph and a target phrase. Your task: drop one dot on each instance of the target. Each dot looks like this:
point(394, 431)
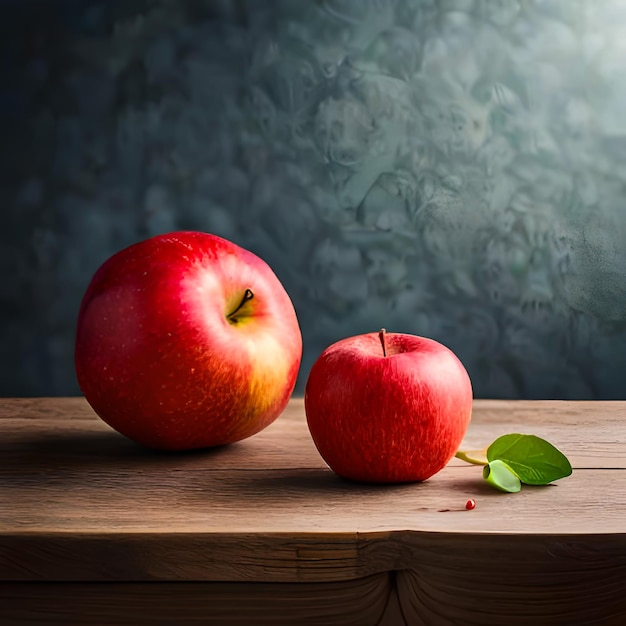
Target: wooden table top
point(80, 502)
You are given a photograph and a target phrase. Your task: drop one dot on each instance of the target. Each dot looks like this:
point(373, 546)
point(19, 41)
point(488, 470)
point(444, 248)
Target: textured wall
point(454, 169)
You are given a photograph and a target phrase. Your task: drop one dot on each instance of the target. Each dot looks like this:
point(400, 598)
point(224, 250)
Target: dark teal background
point(454, 169)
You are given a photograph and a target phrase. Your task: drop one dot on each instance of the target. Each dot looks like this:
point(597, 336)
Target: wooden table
point(96, 530)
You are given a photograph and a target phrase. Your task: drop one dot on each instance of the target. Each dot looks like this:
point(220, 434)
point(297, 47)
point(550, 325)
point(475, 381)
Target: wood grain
point(360, 602)
point(80, 504)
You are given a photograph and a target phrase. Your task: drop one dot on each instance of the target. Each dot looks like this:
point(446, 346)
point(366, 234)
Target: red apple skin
point(388, 419)
point(158, 357)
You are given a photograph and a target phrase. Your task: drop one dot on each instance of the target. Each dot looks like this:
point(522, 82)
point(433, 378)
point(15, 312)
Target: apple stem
point(247, 295)
point(381, 336)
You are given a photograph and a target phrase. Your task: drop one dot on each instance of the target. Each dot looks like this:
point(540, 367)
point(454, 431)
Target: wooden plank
point(62, 470)
point(78, 500)
point(359, 602)
point(436, 580)
point(106, 500)
point(94, 529)
point(591, 433)
point(302, 557)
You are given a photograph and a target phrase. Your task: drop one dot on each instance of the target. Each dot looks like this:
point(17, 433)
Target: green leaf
point(499, 475)
point(534, 460)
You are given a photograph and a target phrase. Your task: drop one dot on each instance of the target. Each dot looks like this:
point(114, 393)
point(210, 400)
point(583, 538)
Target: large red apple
point(388, 407)
point(187, 340)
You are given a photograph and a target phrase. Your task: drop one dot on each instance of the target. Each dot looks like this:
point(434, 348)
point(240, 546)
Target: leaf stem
point(475, 457)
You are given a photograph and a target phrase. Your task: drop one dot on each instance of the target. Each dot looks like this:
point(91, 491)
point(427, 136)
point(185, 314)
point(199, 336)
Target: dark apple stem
point(381, 336)
point(247, 295)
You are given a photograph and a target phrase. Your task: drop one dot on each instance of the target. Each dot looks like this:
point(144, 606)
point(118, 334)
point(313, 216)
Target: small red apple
point(387, 407)
point(186, 340)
